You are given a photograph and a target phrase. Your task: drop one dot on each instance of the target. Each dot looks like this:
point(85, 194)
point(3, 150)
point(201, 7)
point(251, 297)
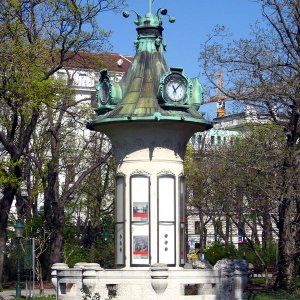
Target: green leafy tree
point(37, 38)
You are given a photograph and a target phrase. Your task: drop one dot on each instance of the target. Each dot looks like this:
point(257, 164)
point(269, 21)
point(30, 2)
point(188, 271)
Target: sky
point(195, 19)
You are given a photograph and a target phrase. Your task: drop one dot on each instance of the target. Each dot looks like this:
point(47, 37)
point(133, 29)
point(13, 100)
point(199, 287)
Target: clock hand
point(174, 89)
point(177, 86)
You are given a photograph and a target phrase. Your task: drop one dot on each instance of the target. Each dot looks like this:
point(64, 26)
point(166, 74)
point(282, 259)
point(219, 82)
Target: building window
point(62, 76)
point(212, 139)
point(197, 227)
point(118, 78)
point(199, 139)
point(193, 139)
point(219, 140)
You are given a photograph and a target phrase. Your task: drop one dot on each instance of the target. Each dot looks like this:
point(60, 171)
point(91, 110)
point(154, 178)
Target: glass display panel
point(120, 199)
point(166, 199)
point(139, 199)
point(182, 244)
point(140, 244)
point(167, 243)
point(120, 244)
point(182, 199)
point(182, 218)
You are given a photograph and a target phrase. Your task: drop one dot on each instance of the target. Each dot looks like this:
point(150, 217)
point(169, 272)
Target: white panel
point(166, 198)
point(140, 189)
point(166, 244)
point(120, 247)
point(140, 244)
point(140, 199)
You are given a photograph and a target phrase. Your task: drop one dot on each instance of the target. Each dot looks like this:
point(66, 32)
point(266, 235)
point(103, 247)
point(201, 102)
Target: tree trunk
point(228, 235)
point(202, 233)
point(40, 281)
point(5, 205)
point(57, 241)
point(254, 233)
point(54, 212)
point(286, 247)
point(266, 230)
point(2, 251)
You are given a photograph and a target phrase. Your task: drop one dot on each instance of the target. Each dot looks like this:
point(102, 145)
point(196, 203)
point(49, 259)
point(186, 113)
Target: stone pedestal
point(159, 278)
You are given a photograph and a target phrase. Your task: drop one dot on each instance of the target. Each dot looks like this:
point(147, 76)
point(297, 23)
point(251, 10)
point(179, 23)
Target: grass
point(44, 298)
point(258, 292)
point(35, 298)
point(271, 295)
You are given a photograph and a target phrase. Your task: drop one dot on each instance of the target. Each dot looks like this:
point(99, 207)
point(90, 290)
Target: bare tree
point(264, 71)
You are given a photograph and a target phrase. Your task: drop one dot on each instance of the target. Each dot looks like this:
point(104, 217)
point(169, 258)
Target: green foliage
point(87, 294)
point(268, 254)
point(8, 178)
point(90, 244)
point(217, 251)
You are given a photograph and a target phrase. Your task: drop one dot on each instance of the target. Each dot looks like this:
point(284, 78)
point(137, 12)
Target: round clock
point(104, 94)
point(175, 86)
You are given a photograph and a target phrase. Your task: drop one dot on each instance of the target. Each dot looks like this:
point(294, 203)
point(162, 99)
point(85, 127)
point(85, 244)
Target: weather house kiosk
point(149, 117)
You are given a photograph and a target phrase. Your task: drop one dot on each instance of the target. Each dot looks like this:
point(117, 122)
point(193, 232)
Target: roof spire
point(150, 6)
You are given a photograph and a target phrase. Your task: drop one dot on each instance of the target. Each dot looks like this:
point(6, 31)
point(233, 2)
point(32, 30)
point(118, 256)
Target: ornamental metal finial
point(152, 19)
point(150, 6)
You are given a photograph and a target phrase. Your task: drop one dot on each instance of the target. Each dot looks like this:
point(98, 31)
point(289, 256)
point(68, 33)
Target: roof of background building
point(114, 62)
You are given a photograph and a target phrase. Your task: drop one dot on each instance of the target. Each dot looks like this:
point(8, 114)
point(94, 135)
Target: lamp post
point(105, 234)
point(19, 229)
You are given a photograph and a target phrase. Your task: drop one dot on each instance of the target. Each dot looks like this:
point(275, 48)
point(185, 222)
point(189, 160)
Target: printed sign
point(140, 247)
point(140, 211)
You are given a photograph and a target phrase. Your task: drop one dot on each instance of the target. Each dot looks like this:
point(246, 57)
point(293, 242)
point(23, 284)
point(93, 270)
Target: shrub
point(217, 251)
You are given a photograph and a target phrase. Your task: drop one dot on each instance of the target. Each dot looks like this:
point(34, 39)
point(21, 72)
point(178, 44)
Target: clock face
point(104, 96)
point(175, 87)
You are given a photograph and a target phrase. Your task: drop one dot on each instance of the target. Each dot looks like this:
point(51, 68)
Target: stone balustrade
point(225, 281)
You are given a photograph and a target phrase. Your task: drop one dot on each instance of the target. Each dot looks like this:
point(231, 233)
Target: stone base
point(157, 282)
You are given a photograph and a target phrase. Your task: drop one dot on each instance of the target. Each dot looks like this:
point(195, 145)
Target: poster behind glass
point(140, 244)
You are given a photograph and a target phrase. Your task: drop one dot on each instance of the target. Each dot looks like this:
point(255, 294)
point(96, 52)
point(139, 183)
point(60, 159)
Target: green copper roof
point(141, 82)
point(139, 86)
